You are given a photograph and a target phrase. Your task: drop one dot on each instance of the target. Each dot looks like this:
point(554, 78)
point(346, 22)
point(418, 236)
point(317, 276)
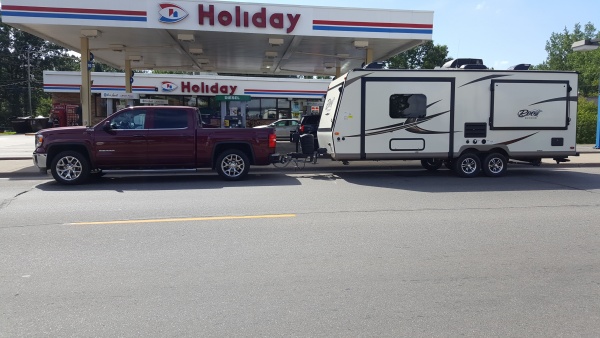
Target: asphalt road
point(377, 253)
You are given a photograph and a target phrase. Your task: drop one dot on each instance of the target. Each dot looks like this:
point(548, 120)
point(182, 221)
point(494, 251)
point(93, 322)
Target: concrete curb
point(15, 158)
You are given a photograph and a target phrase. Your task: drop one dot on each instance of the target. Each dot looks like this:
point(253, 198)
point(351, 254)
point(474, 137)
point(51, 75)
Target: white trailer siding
point(531, 102)
point(411, 111)
point(525, 114)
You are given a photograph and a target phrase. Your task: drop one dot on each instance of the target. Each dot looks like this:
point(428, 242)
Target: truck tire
point(232, 165)
point(467, 165)
point(495, 165)
point(70, 168)
point(431, 164)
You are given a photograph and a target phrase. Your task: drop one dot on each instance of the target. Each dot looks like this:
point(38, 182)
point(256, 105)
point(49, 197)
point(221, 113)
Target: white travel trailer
point(471, 120)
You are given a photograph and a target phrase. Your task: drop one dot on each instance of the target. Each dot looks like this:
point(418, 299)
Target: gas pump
point(233, 110)
point(233, 119)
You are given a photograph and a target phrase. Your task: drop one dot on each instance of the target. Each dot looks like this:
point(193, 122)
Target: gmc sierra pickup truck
point(159, 137)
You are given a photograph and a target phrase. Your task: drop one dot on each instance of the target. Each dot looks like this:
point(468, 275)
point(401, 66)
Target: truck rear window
point(170, 119)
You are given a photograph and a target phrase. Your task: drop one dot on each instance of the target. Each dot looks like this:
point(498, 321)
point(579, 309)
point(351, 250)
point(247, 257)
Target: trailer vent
point(557, 142)
point(477, 130)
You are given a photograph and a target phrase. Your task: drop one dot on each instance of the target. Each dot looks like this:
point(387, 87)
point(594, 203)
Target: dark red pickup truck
point(159, 137)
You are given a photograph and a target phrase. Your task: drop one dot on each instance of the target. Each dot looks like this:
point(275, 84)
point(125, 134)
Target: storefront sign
point(118, 95)
point(188, 87)
point(233, 97)
point(239, 17)
point(154, 101)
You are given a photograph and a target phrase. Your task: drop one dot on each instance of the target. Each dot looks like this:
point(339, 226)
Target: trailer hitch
point(305, 153)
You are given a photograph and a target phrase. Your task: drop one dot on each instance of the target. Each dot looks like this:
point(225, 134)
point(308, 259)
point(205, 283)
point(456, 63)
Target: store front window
point(208, 106)
point(268, 109)
point(253, 109)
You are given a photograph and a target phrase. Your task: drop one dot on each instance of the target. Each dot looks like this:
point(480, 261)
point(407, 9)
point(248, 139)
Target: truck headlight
point(39, 139)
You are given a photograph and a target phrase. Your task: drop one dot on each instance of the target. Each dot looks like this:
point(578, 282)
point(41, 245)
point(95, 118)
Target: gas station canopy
point(223, 37)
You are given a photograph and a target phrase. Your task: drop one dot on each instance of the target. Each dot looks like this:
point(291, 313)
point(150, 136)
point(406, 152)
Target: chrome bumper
point(40, 160)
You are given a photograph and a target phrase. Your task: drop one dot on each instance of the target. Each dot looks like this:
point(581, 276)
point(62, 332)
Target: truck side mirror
point(106, 126)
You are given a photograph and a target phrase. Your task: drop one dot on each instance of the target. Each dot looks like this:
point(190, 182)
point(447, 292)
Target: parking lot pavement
point(15, 147)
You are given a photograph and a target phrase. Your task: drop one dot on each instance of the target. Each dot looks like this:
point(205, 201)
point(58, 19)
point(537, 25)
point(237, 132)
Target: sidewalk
point(16, 147)
point(16, 150)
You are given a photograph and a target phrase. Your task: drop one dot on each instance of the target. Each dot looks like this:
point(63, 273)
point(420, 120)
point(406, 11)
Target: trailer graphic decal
point(489, 77)
point(558, 99)
point(517, 139)
point(409, 125)
point(351, 81)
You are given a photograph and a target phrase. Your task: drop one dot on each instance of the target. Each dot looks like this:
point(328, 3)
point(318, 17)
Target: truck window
point(403, 106)
point(170, 119)
point(135, 119)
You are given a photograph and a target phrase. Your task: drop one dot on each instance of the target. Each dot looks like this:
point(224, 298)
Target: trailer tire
point(70, 168)
point(431, 164)
point(232, 165)
point(495, 165)
point(467, 165)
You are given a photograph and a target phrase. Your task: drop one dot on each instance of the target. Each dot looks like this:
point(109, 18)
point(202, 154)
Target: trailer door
point(407, 117)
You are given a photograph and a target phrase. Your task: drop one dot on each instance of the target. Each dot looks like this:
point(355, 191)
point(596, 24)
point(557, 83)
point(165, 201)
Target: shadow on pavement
point(413, 178)
point(443, 181)
point(191, 181)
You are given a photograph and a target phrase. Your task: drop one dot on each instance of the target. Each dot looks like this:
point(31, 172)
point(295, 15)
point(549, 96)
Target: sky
point(501, 32)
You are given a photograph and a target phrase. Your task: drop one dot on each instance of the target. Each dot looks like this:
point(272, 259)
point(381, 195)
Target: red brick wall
point(98, 111)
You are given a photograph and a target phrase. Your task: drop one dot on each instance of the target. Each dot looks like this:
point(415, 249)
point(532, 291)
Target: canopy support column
point(86, 83)
point(369, 56)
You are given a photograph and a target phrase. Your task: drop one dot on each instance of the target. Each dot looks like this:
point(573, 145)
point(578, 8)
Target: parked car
point(283, 127)
point(309, 125)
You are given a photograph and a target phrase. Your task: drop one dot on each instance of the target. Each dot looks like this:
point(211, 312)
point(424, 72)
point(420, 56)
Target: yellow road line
point(165, 220)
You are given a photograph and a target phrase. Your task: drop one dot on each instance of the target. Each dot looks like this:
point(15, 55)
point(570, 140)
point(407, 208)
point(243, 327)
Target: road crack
point(8, 201)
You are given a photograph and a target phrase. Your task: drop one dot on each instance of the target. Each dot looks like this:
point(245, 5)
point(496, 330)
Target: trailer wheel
point(70, 168)
point(467, 165)
point(431, 164)
point(232, 165)
point(495, 165)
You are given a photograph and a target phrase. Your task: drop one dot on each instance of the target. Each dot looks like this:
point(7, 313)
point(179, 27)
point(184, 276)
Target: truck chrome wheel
point(70, 167)
point(494, 165)
point(467, 165)
point(232, 165)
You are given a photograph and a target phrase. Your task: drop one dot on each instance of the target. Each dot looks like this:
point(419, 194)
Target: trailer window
point(403, 106)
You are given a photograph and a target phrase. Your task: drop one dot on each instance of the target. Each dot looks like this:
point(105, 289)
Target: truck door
point(171, 138)
point(124, 144)
point(407, 117)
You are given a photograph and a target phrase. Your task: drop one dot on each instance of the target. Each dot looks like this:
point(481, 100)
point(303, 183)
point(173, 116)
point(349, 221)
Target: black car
point(309, 125)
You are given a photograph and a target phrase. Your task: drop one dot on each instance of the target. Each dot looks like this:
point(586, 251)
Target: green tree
point(562, 57)
point(587, 118)
point(21, 53)
point(425, 56)
point(102, 67)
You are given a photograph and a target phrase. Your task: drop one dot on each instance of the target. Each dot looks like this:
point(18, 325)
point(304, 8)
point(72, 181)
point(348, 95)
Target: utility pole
point(29, 78)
